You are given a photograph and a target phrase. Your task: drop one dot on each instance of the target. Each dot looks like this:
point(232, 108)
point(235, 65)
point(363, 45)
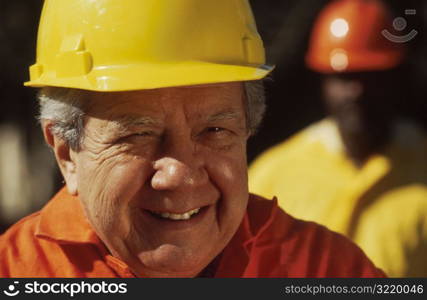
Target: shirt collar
point(63, 220)
point(258, 224)
point(259, 227)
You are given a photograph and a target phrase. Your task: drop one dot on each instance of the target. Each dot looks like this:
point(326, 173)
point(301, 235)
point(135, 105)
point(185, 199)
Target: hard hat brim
point(153, 76)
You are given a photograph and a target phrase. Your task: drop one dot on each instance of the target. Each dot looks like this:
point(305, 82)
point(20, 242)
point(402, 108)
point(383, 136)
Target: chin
point(168, 274)
point(173, 261)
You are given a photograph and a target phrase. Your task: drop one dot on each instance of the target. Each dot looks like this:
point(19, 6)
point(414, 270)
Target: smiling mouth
point(176, 217)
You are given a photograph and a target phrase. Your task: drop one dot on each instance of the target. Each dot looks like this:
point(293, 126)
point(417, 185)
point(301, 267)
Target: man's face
point(359, 99)
point(162, 175)
point(362, 104)
point(344, 100)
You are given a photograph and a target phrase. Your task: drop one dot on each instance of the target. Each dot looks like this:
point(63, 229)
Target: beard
point(363, 132)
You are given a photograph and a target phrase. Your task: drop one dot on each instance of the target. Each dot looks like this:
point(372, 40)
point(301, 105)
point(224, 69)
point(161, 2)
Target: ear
point(65, 156)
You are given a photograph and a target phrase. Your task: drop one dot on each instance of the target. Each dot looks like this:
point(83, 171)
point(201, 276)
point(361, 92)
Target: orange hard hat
point(347, 37)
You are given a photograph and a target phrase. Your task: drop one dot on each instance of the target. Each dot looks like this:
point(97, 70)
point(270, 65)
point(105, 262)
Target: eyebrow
point(130, 120)
point(123, 123)
point(226, 115)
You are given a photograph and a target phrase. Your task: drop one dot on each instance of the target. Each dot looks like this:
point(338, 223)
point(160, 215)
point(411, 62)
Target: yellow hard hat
point(119, 45)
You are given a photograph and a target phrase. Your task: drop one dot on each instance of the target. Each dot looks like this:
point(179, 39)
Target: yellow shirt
point(382, 206)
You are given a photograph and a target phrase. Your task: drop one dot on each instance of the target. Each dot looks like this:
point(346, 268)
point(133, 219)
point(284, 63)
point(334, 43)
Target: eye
point(144, 133)
point(215, 129)
point(219, 138)
point(218, 133)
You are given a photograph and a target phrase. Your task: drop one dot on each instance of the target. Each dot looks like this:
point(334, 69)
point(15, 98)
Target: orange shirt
point(59, 242)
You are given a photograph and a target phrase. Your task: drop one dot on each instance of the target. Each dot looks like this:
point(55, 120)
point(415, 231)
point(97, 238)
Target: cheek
point(106, 190)
point(229, 174)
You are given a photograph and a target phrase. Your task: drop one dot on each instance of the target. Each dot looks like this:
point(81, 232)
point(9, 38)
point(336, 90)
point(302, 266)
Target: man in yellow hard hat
point(147, 106)
point(363, 170)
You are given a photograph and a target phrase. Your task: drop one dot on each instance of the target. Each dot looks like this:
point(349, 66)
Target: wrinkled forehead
point(210, 100)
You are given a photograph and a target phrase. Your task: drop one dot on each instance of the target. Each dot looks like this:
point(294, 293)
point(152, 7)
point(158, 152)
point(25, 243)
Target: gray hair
point(66, 107)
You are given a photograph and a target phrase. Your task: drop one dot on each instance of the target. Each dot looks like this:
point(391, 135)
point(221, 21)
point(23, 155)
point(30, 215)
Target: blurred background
point(28, 174)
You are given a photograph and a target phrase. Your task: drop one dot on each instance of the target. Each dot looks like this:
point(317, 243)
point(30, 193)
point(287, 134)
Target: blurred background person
point(362, 171)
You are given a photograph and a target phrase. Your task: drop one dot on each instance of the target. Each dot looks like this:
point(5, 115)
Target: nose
point(171, 174)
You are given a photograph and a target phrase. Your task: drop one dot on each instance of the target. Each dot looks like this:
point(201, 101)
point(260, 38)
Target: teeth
point(184, 216)
point(165, 215)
